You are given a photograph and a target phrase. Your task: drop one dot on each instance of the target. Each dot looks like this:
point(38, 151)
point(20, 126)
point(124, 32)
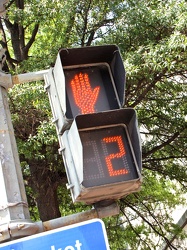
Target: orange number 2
point(109, 158)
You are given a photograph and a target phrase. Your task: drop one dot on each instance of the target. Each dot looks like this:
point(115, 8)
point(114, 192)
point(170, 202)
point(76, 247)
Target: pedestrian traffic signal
point(102, 155)
point(99, 139)
point(85, 80)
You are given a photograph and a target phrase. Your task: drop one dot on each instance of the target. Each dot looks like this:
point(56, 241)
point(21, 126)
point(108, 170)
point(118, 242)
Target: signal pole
point(14, 211)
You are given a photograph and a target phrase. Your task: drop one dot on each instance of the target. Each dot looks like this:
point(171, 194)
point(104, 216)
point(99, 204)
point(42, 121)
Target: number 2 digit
point(110, 157)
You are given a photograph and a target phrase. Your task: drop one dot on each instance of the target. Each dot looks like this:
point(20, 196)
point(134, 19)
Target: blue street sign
point(88, 235)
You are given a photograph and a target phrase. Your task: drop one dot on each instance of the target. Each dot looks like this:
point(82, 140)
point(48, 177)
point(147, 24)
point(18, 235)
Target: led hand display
point(85, 97)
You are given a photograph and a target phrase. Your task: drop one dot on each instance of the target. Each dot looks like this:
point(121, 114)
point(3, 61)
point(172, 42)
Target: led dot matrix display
point(107, 156)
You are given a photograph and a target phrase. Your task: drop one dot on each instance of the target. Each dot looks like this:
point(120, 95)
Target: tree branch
point(153, 150)
point(85, 18)
point(3, 43)
point(149, 223)
point(19, 4)
point(32, 39)
point(133, 228)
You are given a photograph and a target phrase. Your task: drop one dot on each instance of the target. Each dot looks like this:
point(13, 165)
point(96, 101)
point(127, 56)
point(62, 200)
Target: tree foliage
point(152, 36)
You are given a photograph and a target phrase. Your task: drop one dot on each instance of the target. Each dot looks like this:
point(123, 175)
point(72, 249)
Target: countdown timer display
point(107, 156)
point(89, 89)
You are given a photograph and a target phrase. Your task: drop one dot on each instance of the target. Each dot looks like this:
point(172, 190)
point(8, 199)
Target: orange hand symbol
point(85, 97)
